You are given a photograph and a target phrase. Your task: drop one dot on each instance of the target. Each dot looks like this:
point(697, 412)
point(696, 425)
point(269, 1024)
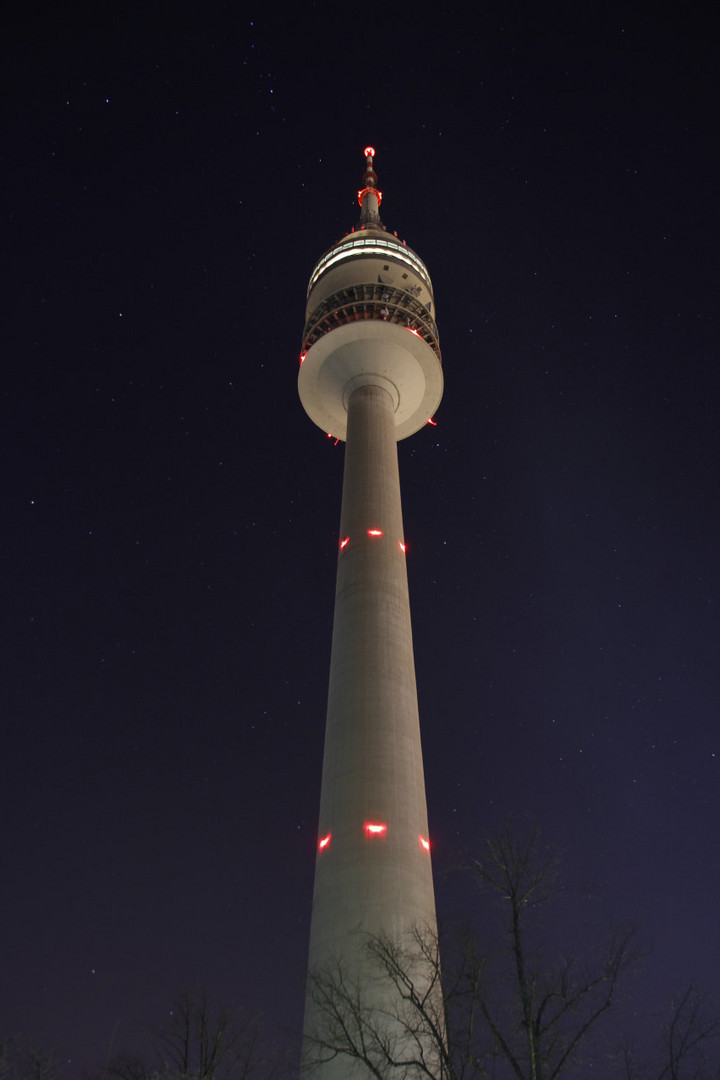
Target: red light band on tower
point(375, 828)
point(344, 542)
point(433, 423)
point(403, 547)
point(369, 191)
point(322, 844)
point(374, 532)
point(424, 843)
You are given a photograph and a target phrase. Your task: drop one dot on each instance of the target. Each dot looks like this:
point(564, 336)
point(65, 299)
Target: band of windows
point(364, 246)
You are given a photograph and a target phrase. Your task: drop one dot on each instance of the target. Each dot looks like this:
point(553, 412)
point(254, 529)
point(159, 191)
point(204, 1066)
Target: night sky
point(173, 172)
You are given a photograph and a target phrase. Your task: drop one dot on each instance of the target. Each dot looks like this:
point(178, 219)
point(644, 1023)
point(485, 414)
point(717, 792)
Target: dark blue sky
point(174, 171)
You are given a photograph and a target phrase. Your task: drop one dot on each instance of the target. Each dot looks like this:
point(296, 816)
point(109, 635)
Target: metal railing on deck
point(378, 302)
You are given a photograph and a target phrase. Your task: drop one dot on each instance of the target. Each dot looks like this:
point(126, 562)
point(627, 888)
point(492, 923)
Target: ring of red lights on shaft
point(373, 829)
point(374, 533)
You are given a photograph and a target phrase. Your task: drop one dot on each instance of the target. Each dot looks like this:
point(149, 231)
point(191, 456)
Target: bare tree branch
point(20, 1060)
point(199, 1042)
point(688, 1039)
point(504, 1012)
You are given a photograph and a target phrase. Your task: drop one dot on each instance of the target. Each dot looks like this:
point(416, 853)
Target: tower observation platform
point(370, 315)
point(370, 374)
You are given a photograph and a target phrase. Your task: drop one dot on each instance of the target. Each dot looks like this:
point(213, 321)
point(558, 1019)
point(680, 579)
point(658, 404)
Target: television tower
point(370, 374)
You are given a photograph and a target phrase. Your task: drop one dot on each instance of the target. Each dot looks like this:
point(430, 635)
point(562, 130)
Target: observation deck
point(373, 243)
point(365, 301)
point(370, 320)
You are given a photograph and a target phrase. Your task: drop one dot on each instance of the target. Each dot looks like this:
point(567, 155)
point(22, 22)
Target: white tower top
point(370, 319)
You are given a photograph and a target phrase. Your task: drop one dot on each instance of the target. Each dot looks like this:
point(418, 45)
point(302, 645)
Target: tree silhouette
point(27, 1061)
point(506, 1012)
point(199, 1042)
point(688, 1044)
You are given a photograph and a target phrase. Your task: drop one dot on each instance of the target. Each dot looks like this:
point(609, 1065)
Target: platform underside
point(366, 352)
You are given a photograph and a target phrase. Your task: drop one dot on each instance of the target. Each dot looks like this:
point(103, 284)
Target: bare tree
point(199, 1042)
point(689, 1043)
point(539, 1028)
point(401, 1040)
point(504, 1012)
point(8, 1047)
point(27, 1061)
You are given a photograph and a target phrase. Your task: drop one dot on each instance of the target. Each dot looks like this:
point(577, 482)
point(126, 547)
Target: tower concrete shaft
point(372, 771)
point(370, 373)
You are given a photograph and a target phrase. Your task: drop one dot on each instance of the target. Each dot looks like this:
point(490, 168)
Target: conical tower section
point(370, 375)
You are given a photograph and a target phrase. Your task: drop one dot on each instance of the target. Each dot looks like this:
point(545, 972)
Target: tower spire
point(370, 198)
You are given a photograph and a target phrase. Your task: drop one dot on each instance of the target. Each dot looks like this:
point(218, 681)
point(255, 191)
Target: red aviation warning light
point(433, 423)
point(403, 547)
point(374, 532)
point(344, 542)
point(368, 191)
point(375, 828)
point(369, 151)
point(424, 843)
point(322, 844)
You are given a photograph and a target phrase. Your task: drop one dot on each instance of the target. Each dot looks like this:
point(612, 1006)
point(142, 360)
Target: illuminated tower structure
point(370, 375)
